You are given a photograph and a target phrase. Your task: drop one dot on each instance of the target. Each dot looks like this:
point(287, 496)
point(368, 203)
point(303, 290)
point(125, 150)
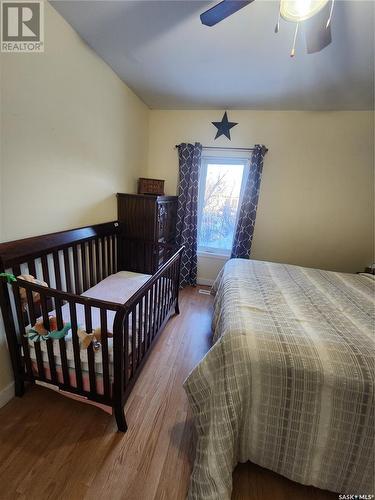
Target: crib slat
point(146, 322)
point(24, 340)
point(84, 268)
point(105, 356)
point(16, 270)
point(176, 283)
point(156, 313)
point(169, 291)
point(62, 344)
point(76, 347)
point(45, 269)
point(173, 280)
point(56, 266)
point(140, 329)
point(109, 254)
point(158, 305)
point(171, 287)
point(67, 271)
point(44, 310)
point(163, 297)
point(91, 263)
point(90, 351)
point(38, 350)
point(104, 267)
point(76, 271)
point(49, 342)
point(152, 315)
point(134, 340)
point(126, 351)
point(97, 261)
point(31, 266)
point(153, 312)
point(159, 302)
point(114, 254)
point(30, 307)
point(51, 360)
point(167, 294)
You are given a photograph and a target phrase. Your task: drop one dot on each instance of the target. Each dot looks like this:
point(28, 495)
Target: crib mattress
point(118, 288)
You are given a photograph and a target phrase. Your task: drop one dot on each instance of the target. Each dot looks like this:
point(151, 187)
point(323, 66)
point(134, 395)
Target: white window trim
point(213, 255)
point(224, 158)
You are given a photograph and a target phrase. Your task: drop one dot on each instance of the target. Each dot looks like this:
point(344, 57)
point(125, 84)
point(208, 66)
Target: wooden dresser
point(147, 218)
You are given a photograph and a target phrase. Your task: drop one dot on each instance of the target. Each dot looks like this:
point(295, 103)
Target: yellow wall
point(72, 135)
point(316, 202)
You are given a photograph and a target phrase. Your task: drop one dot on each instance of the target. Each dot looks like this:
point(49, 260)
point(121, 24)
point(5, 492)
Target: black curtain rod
point(218, 147)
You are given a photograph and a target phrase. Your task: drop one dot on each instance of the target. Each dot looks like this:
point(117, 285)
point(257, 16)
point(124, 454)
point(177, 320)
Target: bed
point(95, 287)
point(289, 381)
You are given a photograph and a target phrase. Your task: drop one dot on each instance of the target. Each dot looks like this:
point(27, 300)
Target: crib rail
point(147, 311)
point(71, 261)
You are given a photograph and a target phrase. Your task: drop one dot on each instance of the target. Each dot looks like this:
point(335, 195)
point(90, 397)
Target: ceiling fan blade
point(317, 33)
point(222, 10)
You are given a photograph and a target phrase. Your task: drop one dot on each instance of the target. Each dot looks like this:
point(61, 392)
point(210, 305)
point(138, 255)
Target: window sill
point(212, 255)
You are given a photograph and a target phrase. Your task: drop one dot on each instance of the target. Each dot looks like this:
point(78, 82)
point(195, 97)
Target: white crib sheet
point(118, 288)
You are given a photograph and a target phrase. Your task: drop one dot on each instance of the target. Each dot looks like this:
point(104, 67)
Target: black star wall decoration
point(223, 127)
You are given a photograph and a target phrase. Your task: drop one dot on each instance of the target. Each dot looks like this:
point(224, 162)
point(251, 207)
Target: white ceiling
point(170, 60)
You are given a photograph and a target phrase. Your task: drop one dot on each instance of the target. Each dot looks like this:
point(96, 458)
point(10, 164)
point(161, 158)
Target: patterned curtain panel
point(189, 162)
point(246, 220)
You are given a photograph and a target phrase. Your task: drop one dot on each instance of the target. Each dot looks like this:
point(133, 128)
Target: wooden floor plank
point(54, 447)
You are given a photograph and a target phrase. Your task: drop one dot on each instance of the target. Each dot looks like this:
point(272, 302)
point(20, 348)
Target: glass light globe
point(300, 10)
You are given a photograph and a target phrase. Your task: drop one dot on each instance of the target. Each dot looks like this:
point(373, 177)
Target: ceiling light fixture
point(297, 11)
point(300, 10)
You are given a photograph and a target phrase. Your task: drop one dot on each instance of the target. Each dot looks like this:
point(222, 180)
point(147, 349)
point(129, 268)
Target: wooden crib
point(71, 262)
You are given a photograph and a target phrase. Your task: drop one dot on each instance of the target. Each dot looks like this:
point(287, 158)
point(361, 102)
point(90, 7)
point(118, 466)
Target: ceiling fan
point(315, 15)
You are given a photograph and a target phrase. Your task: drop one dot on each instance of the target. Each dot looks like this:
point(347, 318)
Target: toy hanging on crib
point(38, 332)
point(10, 278)
point(36, 296)
point(94, 337)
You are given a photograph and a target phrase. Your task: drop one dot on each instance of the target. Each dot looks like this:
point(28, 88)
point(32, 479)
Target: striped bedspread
point(289, 381)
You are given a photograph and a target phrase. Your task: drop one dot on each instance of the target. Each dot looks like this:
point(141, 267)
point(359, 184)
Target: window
point(221, 185)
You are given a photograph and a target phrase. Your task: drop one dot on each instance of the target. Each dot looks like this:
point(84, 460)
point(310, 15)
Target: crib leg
point(120, 419)
point(19, 388)
point(177, 308)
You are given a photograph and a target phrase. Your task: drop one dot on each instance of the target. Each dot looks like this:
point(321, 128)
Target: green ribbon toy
point(34, 336)
point(9, 277)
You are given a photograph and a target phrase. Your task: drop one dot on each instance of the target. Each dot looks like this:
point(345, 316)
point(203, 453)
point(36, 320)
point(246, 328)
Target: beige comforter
point(289, 381)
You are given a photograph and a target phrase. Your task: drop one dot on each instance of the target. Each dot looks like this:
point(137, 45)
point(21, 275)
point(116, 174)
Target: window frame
point(227, 158)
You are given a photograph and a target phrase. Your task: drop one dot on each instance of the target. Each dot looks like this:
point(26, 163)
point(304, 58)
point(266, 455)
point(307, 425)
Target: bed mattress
point(289, 381)
point(118, 288)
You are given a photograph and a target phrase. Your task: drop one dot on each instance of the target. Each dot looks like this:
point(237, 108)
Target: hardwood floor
point(54, 447)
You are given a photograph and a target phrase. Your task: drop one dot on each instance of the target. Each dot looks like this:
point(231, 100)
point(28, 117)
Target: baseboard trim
point(204, 281)
point(6, 394)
